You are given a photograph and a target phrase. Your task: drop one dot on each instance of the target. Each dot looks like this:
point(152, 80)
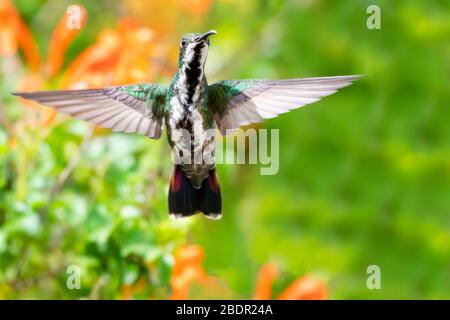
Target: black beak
point(205, 35)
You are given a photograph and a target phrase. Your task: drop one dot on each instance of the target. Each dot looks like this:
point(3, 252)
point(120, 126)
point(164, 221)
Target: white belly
point(193, 147)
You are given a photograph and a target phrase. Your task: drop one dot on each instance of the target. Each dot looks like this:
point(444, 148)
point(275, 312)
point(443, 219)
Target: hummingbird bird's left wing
point(239, 102)
point(133, 108)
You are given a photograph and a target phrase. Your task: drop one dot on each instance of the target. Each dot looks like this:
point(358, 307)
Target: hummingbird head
point(194, 48)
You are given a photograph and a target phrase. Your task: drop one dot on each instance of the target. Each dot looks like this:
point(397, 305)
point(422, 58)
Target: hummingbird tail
point(185, 200)
point(210, 197)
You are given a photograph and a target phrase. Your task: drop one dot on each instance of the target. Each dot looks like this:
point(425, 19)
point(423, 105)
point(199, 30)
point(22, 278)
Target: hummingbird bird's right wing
point(133, 108)
point(239, 102)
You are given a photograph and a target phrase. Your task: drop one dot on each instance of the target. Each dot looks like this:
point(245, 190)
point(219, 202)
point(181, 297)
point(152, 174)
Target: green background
point(364, 176)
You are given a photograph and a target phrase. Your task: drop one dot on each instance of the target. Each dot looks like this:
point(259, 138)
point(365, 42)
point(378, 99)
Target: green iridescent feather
point(154, 94)
point(220, 93)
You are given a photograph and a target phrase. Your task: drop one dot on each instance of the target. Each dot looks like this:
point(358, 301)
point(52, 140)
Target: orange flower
point(199, 7)
point(141, 55)
point(124, 55)
point(266, 276)
point(62, 36)
point(128, 290)
point(307, 287)
point(187, 270)
point(96, 63)
point(15, 34)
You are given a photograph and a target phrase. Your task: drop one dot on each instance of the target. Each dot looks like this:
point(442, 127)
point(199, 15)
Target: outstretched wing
point(133, 109)
point(240, 102)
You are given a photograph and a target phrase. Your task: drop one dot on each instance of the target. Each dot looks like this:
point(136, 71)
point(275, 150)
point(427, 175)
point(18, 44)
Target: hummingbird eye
point(183, 42)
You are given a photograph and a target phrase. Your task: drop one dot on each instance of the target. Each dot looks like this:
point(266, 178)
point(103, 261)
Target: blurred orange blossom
point(307, 287)
point(14, 34)
point(188, 270)
point(123, 55)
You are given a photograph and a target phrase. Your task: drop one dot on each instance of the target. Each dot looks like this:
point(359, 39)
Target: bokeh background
point(364, 174)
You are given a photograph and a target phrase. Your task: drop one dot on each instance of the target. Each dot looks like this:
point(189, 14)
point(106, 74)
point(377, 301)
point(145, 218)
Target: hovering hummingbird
point(189, 102)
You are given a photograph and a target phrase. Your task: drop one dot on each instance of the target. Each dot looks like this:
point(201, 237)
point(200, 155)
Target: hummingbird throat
point(191, 74)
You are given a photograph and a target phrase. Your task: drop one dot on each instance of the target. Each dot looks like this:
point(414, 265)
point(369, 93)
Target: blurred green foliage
point(364, 175)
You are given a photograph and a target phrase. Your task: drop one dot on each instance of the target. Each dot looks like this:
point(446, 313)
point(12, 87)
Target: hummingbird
point(187, 104)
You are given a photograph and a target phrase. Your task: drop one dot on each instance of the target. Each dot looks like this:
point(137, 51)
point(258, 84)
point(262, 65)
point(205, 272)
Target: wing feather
point(131, 109)
point(240, 102)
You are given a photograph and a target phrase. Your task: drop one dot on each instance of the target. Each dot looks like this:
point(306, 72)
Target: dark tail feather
point(210, 197)
point(185, 200)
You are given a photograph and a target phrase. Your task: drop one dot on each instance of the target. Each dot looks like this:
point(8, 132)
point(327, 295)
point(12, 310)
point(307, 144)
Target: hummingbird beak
point(205, 35)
